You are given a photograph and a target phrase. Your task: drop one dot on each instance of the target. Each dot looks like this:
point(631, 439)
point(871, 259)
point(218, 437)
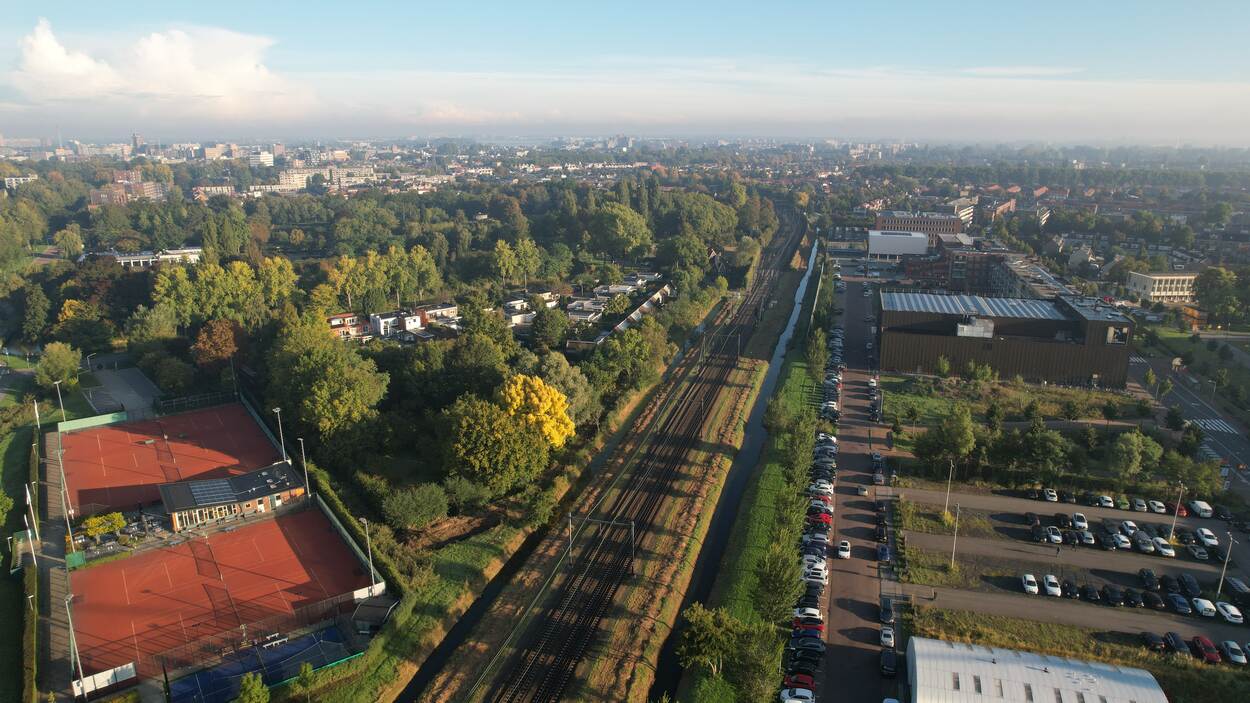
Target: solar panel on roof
point(971, 305)
point(206, 492)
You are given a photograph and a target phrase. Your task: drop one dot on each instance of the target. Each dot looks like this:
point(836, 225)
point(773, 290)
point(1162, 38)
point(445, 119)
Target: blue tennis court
point(276, 663)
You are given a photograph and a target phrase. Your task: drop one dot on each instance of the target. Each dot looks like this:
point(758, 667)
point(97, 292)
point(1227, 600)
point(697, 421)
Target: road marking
point(1137, 360)
point(1211, 424)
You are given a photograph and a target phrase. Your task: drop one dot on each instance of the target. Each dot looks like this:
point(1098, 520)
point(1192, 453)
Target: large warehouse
point(948, 672)
point(1068, 339)
point(894, 246)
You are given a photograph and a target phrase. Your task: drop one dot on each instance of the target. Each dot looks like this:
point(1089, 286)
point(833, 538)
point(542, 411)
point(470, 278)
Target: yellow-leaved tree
point(540, 406)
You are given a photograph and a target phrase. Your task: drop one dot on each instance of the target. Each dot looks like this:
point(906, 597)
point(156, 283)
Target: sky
point(1097, 71)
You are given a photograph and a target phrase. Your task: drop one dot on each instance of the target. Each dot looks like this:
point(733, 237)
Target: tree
point(777, 582)
point(617, 230)
point(485, 444)
point(817, 353)
point(304, 684)
point(550, 327)
point(529, 259)
point(276, 278)
point(756, 661)
point(943, 367)
point(414, 507)
point(1221, 378)
point(1216, 290)
point(1165, 387)
point(1175, 420)
point(252, 689)
point(583, 399)
point(504, 261)
point(60, 362)
point(35, 316)
point(171, 374)
point(1110, 411)
point(617, 305)
point(540, 406)
point(151, 326)
point(708, 638)
point(1069, 410)
point(1150, 378)
point(1124, 456)
point(216, 344)
point(69, 241)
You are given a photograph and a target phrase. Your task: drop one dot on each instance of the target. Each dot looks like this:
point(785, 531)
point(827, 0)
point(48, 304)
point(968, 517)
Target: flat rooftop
point(1021, 308)
point(185, 495)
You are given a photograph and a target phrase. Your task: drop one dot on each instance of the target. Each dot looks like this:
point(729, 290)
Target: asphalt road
point(852, 629)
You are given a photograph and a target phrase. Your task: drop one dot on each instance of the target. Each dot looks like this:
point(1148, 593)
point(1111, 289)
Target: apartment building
point(930, 223)
point(1163, 287)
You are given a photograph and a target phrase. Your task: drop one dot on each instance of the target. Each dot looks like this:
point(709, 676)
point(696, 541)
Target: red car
point(827, 500)
point(807, 627)
point(821, 519)
point(1178, 510)
point(1205, 650)
point(799, 681)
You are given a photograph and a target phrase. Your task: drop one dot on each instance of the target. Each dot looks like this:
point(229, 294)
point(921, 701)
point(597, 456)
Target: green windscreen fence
point(74, 560)
point(93, 421)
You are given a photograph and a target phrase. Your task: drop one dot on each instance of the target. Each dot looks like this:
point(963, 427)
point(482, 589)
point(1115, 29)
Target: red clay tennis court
point(118, 467)
point(158, 602)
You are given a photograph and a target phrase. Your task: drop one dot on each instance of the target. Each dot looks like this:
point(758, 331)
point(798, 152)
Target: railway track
point(562, 632)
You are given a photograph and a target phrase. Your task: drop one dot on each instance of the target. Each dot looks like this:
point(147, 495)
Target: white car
point(1157, 507)
point(1106, 502)
point(887, 636)
point(809, 613)
point(1163, 548)
point(797, 695)
point(813, 563)
point(1050, 495)
point(817, 539)
point(1079, 522)
point(1229, 612)
point(1121, 542)
point(1029, 583)
point(1204, 607)
point(1128, 527)
point(844, 550)
point(872, 383)
point(823, 488)
point(1051, 584)
point(826, 438)
point(1207, 537)
point(1054, 535)
point(1233, 652)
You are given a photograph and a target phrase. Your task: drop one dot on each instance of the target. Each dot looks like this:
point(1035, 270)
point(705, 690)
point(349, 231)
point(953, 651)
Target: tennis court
point(207, 597)
point(118, 467)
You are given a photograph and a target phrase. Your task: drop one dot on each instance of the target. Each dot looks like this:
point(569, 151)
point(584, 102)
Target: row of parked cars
point(1195, 507)
point(832, 388)
point(1148, 538)
point(1200, 647)
point(1181, 595)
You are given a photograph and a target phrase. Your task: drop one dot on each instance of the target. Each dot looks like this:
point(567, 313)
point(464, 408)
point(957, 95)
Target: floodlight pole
point(303, 459)
point(65, 507)
point(73, 641)
point(1228, 551)
point(1180, 492)
point(35, 402)
point(369, 547)
point(58, 399)
point(281, 440)
point(30, 505)
point(949, 477)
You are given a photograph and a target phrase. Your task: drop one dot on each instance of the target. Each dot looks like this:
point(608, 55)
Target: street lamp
point(58, 399)
point(955, 541)
point(1177, 510)
point(281, 441)
point(1228, 551)
point(303, 459)
point(82, 680)
point(89, 359)
point(949, 477)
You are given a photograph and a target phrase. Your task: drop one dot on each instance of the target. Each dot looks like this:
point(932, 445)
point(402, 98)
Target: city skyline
point(911, 72)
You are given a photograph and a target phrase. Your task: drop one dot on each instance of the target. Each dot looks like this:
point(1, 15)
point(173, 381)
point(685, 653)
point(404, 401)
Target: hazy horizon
point(1074, 74)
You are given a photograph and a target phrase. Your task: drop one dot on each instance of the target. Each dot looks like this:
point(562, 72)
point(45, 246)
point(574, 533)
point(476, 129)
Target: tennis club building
point(949, 672)
point(212, 501)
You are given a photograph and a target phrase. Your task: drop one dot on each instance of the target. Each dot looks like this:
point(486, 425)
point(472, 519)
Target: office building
point(930, 223)
point(1162, 287)
point(895, 246)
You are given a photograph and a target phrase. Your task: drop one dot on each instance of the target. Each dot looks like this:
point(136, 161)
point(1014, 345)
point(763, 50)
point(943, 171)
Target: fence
point(93, 421)
point(104, 679)
point(194, 402)
point(380, 585)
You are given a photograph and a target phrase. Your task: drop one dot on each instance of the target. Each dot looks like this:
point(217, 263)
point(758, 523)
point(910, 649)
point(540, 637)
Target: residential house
point(349, 325)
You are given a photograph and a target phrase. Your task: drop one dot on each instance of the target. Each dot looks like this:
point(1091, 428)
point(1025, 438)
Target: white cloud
point(1022, 71)
point(195, 72)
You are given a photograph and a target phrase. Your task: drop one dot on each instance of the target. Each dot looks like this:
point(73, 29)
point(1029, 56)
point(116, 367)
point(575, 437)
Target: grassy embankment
point(933, 400)
point(1183, 678)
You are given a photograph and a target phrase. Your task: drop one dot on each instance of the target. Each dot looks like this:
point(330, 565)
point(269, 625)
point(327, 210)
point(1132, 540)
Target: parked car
point(1201, 508)
point(1179, 604)
point(1189, 585)
point(1139, 505)
point(1113, 595)
point(1070, 590)
point(844, 550)
point(887, 636)
point(886, 611)
point(1063, 520)
point(1090, 594)
point(1153, 642)
point(1169, 583)
point(1053, 535)
point(1079, 522)
point(797, 695)
point(1133, 598)
point(1197, 552)
point(1050, 584)
point(1207, 537)
point(1029, 584)
point(889, 663)
point(1177, 509)
point(1229, 612)
point(1157, 507)
point(1153, 600)
point(883, 553)
point(1148, 579)
point(1049, 495)
point(1105, 502)
point(1205, 650)
point(1233, 652)
point(1176, 644)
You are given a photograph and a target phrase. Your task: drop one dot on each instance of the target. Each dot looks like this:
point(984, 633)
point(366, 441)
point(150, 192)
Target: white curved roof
point(949, 672)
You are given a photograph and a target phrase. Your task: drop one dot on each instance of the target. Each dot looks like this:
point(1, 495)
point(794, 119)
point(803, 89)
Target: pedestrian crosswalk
point(1214, 424)
point(1137, 360)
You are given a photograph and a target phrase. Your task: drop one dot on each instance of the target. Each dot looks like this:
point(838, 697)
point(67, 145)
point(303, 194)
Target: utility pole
point(955, 541)
point(1175, 512)
point(949, 477)
point(281, 441)
point(303, 459)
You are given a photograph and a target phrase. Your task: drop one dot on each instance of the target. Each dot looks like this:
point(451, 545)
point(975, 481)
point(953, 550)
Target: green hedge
point(30, 622)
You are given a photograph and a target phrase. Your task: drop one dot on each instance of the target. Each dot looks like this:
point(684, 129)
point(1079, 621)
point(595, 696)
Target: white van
point(1200, 508)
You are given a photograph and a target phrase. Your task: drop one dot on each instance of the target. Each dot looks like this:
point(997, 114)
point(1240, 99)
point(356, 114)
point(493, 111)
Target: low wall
point(83, 423)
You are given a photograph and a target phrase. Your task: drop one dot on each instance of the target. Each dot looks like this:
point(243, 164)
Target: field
point(932, 399)
point(1183, 679)
point(922, 517)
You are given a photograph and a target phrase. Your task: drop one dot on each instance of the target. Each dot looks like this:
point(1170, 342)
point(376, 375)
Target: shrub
point(415, 507)
point(464, 494)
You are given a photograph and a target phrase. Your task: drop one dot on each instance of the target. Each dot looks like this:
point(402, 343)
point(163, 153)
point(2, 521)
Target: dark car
point(1089, 593)
point(1039, 533)
point(1091, 498)
point(1150, 530)
point(1034, 494)
point(807, 644)
point(1222, 512)
point(1205, 650)
point(1153, 642)
point(1238, 590)
point(887, 611)
point(802, 669)
point(806, 657)
point(881, 519)
point(1063, 520)
point(1169, 583)
point(882, 534)
point(1179, 604)
point(883, 553)
point(1175, 642)
point(1105, 541)
point(1148, 579)
point(1072, 538)
point(889, 663)
point(1031, 518)
point(1113, 595)
point(880, 506)
point(808, 602)
point(1185, 537)
point(1133, 598)
point(1153, 600)
point(1069, 590)
point(1067, 497)
point(1189, 585)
